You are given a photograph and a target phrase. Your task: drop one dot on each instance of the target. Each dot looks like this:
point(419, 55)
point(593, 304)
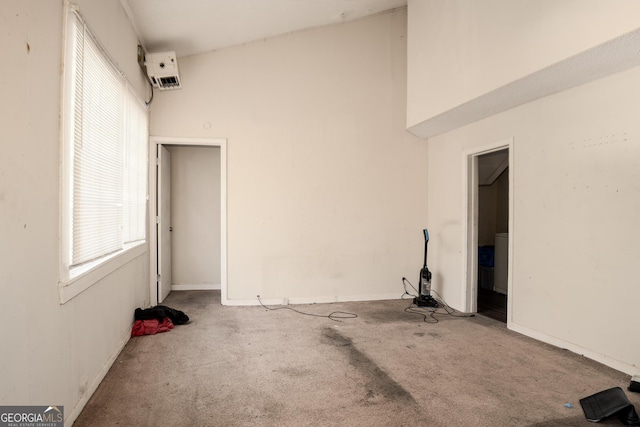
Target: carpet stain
point(379, 384)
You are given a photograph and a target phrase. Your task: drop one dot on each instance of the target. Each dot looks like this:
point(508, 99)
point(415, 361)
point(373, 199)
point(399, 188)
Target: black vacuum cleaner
point(424, 298)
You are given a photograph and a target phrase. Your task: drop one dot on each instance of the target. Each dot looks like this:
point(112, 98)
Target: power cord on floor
point(335, 316)
point(430, 315)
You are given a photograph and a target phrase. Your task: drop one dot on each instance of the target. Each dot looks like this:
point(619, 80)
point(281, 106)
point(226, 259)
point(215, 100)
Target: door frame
point(154, 144)
point(163, 222)
point(470, 224)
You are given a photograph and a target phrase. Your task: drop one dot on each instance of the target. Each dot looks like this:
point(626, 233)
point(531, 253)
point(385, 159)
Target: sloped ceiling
point(491, 166)
point(190, 27)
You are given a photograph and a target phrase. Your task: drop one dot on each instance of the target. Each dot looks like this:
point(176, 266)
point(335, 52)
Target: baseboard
point(197, 287)
point(349, 298)
point(310, 300)
point(557, 342)
point(71, 418)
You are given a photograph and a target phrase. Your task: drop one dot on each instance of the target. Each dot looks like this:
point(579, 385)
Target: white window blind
point(108, 146)
point(135, 176)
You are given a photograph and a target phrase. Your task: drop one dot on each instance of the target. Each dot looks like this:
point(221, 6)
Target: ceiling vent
point(162, 69)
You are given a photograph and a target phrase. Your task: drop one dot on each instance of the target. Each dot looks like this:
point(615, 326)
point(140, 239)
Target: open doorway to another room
point(189, 195)
point(493, 234)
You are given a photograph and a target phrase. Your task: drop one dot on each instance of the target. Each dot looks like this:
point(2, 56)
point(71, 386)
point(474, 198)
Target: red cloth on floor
point(151, 327)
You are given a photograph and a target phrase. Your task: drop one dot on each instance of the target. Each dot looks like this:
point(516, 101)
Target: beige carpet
point(248, 366)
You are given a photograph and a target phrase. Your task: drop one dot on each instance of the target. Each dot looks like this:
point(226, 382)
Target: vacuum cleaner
point(424, 298)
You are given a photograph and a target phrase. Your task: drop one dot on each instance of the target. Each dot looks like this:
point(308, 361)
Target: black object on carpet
point(610, 402)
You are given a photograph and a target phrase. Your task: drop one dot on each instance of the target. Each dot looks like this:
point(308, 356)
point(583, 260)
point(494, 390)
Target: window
point(104, 165)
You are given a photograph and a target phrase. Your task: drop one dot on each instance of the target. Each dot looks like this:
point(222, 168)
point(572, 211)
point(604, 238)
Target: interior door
point(164, 222)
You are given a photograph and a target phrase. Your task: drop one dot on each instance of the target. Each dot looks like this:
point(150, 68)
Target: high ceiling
point(190, 27)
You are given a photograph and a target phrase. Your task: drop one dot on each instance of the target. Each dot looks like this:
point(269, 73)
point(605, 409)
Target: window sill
point(86, 276)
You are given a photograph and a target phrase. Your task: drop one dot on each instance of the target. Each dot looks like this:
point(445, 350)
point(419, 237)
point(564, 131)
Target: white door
point(164, 223)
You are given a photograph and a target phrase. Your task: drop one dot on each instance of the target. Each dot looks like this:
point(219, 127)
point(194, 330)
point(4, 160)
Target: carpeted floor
point(248, 366)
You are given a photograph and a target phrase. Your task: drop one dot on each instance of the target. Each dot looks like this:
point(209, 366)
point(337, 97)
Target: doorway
point(187, 198)
point(493, 233)
point(489, 195)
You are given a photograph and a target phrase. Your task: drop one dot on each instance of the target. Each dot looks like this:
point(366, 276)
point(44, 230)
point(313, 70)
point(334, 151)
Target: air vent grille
point(169, 82)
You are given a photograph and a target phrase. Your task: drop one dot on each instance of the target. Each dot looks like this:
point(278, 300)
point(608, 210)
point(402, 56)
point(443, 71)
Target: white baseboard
point(197, 287)
point(71, 418)
point(557, 342)
point(310, 300)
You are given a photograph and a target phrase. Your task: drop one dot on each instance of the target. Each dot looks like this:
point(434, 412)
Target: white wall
point(575, 224)
point(51, 353)
point(325, 186)
point(195, 215)
point(575, 167)
point(460, 50)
